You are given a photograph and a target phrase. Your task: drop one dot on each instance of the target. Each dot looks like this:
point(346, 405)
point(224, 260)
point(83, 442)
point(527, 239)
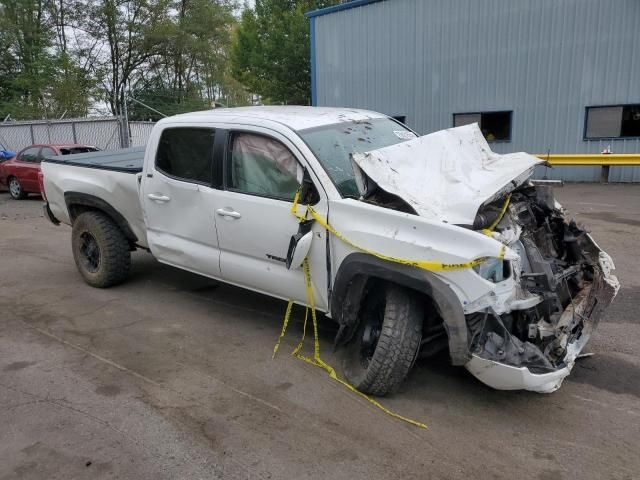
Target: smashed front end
point(528, 315)
point(529, 331)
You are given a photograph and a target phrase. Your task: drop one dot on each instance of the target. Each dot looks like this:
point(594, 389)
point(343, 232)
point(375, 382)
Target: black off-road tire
point(16, 192)
point(100, 250)
point(398, 315)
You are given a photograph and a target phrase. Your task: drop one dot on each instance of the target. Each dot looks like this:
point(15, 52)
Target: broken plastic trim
point(535, 348)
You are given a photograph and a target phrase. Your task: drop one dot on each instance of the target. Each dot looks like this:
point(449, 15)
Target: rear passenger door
point(178, 200)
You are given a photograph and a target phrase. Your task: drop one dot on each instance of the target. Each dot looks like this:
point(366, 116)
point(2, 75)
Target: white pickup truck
point(425, 244)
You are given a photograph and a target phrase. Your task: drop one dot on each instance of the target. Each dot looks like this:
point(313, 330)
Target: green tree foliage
point(71, 57)
point(189, 69)
point(38, 79)
point(125, 32)
point(270, 52)
point(163, 99)
point(75, 57)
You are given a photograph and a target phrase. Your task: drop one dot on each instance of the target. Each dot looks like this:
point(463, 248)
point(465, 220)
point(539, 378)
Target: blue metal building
point(552, 75)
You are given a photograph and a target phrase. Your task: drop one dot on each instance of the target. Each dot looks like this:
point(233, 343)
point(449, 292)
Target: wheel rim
point(89, 252)
point(14, 187)
point(370, 336)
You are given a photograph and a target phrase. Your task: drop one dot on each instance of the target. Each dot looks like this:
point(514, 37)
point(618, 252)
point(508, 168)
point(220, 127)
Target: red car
point(20, 174)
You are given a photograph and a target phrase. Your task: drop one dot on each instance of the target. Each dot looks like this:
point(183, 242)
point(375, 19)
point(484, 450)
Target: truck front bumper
point(506, 377)
point(593, 300)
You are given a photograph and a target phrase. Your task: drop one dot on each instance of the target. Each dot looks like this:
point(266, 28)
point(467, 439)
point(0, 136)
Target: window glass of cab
point(74, 150)
point(29, 155)
point(46, 152)
point(261, 165)
point(186, 153)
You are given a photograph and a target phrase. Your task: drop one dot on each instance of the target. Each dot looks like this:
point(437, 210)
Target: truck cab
point(217, 201)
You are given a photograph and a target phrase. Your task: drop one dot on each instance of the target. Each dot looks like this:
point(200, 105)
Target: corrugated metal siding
point(545, 60)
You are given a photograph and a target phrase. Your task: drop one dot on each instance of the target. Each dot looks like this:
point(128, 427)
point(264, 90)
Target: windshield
point(333, 144)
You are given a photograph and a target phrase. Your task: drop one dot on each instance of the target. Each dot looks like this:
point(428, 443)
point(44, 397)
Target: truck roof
point(294, 117)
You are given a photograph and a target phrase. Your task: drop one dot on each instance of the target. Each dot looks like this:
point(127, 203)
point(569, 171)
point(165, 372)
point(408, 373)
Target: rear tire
point(385, 345)
point(15, 189)
point(100, 250)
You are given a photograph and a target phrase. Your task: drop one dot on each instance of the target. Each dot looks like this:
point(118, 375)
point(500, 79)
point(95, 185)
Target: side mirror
point(299, 245)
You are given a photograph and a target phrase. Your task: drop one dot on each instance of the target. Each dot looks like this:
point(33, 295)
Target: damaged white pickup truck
point(424, 244)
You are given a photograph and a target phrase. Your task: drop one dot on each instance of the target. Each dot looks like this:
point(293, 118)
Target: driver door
point(254, 220)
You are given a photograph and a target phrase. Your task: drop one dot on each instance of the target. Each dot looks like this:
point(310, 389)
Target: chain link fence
point(139, 133)
point(107, 133)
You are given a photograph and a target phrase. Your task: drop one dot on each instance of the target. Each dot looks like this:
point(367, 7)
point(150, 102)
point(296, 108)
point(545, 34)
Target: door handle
point(158, 198)
point(228, 213)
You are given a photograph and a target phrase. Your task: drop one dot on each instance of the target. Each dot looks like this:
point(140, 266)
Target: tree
point(169, 54)
point(124, 28)
point(37, 78)
point(190, 67)
point(68, 57)
point(270, 52)
point(159, 97)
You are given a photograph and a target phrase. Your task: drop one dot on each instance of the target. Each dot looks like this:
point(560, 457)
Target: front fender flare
point(349, 288)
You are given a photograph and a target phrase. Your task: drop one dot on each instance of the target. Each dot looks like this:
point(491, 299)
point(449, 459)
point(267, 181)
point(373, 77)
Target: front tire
point(100, 250)
point(385, 345)
point(15, 189)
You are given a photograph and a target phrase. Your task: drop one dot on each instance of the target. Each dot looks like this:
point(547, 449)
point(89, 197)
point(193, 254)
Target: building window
point(615, 121)
point(495, 126)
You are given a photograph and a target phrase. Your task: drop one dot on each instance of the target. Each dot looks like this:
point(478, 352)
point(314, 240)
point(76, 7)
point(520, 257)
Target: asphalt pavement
point(170, 376)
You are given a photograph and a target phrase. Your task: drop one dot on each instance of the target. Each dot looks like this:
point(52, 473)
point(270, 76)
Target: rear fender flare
point(349, 289)
point(86, 201)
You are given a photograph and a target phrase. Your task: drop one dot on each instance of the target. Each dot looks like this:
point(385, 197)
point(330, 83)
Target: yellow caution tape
point(294, 207)
point(492, 227)
point(287, 314)
point(424, 264)
point(316, 360)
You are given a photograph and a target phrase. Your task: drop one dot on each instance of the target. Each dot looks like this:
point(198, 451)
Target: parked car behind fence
point(20, 173)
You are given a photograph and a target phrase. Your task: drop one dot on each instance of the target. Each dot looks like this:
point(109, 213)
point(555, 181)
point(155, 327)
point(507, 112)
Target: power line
point(147, 106)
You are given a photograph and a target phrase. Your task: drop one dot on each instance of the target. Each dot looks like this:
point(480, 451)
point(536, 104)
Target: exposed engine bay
point(562, 284)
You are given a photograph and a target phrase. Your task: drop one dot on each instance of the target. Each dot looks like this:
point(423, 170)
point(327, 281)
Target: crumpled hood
point(446, 175)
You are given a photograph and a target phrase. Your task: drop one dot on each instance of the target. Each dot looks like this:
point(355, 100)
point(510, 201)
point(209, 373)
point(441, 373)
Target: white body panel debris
point(448, 174)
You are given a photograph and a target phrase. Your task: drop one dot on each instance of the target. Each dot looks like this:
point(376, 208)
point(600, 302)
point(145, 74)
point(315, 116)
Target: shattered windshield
point(333, 144)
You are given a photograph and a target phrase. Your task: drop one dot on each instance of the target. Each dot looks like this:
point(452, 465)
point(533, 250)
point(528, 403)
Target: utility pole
point(126, 133)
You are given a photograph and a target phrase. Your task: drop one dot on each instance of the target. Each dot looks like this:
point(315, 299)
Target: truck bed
point(127, 160)
point(107, 176)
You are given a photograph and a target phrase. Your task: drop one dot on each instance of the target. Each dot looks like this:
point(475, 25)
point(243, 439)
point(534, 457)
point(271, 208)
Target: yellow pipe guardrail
point(597, 159)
